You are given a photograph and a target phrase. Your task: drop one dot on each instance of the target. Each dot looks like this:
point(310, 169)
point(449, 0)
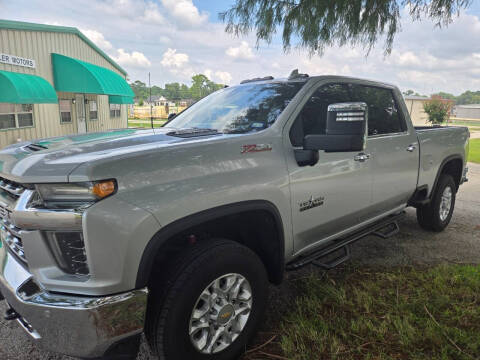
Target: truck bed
point(438, 144)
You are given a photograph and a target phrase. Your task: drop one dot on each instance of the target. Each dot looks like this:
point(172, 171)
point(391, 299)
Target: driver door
point(335, 193)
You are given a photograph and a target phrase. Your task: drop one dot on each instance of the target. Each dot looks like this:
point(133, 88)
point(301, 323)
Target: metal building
point(54, 81)
point(471, 111)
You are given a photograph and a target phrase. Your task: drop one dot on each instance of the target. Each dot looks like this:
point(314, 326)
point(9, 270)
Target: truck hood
point(52, 160)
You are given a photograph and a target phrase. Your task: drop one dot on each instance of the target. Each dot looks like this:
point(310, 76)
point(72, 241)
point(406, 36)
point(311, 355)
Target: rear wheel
point(437, 214)
point(209, 304)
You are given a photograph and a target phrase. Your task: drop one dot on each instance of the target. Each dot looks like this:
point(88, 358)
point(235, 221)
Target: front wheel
point(437, 214)
point(211, 304)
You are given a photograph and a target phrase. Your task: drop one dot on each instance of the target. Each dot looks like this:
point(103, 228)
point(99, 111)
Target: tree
point(410, 93)
point(438, 111)
point(445, 95)
point(316, 24)
point(201, 86)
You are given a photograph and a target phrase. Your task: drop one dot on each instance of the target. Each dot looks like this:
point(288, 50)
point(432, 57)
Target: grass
point(474, 153)
point(464, 123)
point(145, 123)
point(363, 313)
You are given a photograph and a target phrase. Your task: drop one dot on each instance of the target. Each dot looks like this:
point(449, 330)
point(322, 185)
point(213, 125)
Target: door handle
point(411, 147)
point(362, 157)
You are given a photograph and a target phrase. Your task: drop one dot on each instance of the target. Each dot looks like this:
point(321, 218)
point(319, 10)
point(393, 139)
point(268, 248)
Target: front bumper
point(74, 325)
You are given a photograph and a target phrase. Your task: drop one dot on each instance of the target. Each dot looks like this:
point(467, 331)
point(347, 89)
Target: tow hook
point(11, 314)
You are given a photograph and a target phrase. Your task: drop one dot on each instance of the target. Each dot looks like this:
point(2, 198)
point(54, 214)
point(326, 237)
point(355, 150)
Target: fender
point(442, 166)
point(165, 233)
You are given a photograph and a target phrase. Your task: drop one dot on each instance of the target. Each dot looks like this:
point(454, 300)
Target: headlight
point(76, 192)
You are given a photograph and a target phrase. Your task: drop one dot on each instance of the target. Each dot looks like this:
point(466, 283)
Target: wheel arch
point(452, 165)
point(272, 254)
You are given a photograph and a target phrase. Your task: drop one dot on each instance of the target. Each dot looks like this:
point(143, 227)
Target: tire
point(173, 299)
point(434, 216)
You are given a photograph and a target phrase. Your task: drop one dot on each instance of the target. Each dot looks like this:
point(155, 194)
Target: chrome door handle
point(362, 157)
point(411, 147)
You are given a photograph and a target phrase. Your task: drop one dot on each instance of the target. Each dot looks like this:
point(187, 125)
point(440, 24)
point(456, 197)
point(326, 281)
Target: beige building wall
point(417, 114)
point(39, 46)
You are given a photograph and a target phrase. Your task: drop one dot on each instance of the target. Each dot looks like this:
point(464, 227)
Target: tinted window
point(383, 115)
point(239, 109)
point(313, 117)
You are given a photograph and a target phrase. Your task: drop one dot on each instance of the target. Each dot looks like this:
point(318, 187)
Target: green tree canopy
point(316, 24)
point(201, 86)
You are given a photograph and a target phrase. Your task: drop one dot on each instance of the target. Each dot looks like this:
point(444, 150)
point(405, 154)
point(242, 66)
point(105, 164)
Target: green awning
point(20, 88)
point(115, 99)
point(72, 75)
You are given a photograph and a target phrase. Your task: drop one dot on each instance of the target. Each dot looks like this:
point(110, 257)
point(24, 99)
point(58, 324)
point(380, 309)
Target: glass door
point(81, 114)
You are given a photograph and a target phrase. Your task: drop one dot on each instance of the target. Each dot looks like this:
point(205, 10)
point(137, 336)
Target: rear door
point(335, 193)
point(393, 148)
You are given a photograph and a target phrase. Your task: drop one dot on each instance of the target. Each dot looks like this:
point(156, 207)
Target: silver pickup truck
point(177, 231)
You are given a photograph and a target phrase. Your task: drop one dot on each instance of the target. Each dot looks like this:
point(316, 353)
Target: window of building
point(93, 110)
point(65, 111)
point(14, 116)
point(115, 110)
point(383, 114)
point(312, 120)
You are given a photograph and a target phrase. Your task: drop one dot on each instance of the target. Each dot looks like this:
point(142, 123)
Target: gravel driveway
point(460, 243)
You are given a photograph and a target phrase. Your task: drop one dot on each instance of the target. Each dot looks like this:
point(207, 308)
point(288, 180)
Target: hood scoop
point(192, 132)
point(35, 147)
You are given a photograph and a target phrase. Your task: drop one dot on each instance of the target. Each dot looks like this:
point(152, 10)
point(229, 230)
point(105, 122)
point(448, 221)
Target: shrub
point(438, 110)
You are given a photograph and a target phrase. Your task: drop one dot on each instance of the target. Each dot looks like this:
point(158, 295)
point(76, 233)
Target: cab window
point(383, 114)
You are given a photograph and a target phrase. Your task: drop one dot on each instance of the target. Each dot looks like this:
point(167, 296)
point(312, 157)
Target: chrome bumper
point(74, 325)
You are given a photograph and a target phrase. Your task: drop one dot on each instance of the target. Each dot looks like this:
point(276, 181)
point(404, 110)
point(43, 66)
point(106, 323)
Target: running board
point(385, 228)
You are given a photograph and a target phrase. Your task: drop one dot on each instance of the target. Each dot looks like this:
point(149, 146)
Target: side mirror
point(345, 131)
point(171, 116)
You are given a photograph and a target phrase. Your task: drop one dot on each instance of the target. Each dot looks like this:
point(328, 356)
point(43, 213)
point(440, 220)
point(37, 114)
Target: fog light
point(68, 248)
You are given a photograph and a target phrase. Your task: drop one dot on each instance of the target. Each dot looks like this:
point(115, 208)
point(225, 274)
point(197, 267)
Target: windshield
point(239, 109)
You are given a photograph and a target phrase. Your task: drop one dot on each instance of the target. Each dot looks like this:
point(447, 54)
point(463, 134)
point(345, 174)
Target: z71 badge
point(311, 203)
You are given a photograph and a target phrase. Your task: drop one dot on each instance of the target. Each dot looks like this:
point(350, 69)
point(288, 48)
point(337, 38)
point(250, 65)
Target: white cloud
point(243, 51)
point(222, 77)
point(152, 14)
point(185, 12)
point(98, 39)
point(172, 59)
point(135, 59)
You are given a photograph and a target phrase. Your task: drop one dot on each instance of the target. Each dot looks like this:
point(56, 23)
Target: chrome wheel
point(446, 203)
point(220, 313)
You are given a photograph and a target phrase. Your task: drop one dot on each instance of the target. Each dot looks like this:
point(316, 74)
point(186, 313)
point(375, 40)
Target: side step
point(385, 228)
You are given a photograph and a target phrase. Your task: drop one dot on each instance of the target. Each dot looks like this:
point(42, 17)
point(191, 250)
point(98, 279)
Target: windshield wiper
point(193, 132)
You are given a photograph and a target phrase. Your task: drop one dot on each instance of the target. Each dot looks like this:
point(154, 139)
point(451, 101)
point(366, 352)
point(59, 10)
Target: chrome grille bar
point(11, 236)
point(11, 187)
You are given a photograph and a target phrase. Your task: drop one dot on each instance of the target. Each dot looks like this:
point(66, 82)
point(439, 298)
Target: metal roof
point(20, 25)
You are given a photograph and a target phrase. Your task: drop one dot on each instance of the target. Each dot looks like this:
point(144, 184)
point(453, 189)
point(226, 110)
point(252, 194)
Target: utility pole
point(151, 106)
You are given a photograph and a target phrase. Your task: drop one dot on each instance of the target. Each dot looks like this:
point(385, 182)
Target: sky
point(174, 39)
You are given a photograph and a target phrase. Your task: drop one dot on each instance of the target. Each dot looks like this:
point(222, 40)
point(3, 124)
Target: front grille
point(11, 187)
point(11, 236)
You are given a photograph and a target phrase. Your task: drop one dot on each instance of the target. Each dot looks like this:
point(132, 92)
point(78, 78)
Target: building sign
point(16, 60)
